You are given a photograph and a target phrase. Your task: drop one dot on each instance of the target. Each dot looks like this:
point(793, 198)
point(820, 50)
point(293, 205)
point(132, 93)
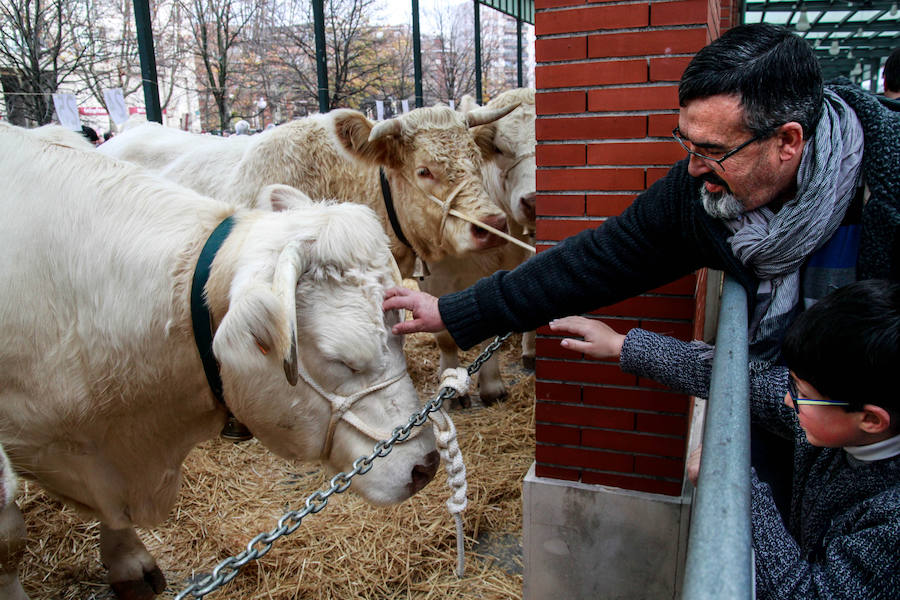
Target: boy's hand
point(693, 465)
point(424, 307)
point(600, 340)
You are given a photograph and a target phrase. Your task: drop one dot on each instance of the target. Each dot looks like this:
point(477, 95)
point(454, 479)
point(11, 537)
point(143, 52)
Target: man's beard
point(721, 205)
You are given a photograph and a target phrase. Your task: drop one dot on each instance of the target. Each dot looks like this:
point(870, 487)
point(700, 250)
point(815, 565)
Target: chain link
point(228, 569)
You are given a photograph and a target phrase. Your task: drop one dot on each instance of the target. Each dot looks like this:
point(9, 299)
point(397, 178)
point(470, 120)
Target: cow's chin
point(409, 467)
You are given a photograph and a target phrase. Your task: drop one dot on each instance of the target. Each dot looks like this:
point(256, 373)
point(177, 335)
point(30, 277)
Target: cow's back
point(93, 288)
point(305, 154)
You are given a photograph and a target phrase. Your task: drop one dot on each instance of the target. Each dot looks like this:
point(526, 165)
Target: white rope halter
point(340, 409)
point(516, 160)
point(447, 209)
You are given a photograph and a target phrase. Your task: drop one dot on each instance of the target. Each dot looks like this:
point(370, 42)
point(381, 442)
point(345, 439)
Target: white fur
point(102, 393)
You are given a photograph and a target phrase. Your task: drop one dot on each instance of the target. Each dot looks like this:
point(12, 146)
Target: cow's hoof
point(528, 363)
point(490, 399)
point(461, 402)
point(153, 583)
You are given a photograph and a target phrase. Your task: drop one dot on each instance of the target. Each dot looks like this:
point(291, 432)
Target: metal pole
point(478, 94)
point(148, 60)
point(321, 66)
point(417, 54)
point(719, 561)
point(519, 77)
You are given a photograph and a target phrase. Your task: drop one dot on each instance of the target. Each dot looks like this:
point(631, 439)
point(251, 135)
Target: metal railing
point(719, 561)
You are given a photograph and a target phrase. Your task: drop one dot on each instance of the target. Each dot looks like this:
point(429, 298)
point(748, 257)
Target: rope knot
point(457, 379)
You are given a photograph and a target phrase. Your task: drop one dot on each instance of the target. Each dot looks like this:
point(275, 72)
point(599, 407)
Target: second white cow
point(430, 159)
point(102, 389)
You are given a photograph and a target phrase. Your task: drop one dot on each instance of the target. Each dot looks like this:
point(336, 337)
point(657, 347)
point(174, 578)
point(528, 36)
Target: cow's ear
point(255, 325)
point(280, 197)
point(353, 129)
point(484, 139)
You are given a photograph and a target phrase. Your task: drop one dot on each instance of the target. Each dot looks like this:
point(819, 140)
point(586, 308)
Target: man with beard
point(790, 186)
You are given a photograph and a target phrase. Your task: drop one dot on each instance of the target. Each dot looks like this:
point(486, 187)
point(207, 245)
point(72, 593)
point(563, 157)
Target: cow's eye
point(353, 369)
point(424, 173)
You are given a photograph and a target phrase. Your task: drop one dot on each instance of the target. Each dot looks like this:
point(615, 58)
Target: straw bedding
point(232, 492)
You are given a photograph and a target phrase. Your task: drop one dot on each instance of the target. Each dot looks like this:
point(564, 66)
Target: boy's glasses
point(796, 400)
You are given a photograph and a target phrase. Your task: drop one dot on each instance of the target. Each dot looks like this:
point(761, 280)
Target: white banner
point(405, 104)
point(115, 104)
point(67, 111)
point(379, 110)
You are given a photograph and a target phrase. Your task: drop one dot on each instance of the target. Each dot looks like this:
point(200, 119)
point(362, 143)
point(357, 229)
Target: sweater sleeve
point(860, 564)
point(655, 241)
point(686, 367)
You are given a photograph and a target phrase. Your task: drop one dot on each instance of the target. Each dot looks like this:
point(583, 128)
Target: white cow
point(426, 154)
point(58, 134)
point(102, 391)
point(510, 180)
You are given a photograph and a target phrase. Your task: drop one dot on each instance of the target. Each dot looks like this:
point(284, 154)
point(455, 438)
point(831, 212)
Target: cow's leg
point(450, 360)
point(528, 350)
point(490, 382)
point(12, 547)
point(133, 574)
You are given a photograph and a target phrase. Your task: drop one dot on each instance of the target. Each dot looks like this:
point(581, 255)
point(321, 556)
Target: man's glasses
point(676, 133)
point(796, 400)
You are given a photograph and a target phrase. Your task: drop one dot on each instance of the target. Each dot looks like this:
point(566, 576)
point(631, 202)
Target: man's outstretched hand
point(424, 307)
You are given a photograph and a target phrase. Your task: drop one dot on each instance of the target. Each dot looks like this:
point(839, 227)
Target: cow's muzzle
point(483, 238)
point(422, 474)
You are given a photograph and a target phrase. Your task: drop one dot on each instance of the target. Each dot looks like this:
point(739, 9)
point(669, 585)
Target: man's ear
point(790, 140)
point(875, 419)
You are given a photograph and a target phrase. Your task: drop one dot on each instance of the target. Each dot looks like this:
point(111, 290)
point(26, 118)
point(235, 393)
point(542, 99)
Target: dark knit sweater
point(842, 539)
point(665, 234)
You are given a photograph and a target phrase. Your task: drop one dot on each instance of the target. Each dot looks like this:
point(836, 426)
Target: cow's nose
point(484, 238)
point(422, 474)
point(528, 202)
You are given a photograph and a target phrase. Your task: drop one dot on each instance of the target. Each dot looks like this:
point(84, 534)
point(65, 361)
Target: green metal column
point(417, 54)
point(478, 94)
point(519, 76)
point(148, 60)
point(321, 66)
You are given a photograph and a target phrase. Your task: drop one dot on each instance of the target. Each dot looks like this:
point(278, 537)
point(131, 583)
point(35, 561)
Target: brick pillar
point(606, 81)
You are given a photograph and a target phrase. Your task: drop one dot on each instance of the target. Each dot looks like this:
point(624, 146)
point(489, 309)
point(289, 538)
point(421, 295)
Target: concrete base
point(601, 543)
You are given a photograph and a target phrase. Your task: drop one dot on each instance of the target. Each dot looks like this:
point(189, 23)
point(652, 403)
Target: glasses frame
point(676, 133)
point(797, 399)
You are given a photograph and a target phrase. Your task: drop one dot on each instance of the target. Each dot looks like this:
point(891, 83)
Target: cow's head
point(427, 154)
point(510, 142)
point(304, 324)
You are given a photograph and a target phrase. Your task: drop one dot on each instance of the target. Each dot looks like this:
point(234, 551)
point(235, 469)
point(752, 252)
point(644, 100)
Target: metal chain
point(228, 569)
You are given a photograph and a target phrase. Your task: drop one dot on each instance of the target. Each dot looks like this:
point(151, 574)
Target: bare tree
point(216, 26)
point(41, 44)
point(451, 53)
point(355, 66)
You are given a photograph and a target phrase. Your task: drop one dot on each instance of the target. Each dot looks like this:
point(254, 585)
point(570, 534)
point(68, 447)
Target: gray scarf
point(776, 245)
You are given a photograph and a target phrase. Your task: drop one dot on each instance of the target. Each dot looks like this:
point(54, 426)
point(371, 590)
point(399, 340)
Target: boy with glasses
point(840, 537)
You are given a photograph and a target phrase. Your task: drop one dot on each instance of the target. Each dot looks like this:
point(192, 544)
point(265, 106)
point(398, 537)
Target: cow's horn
point(484, 114)
point(389, 127)
point(288, 269)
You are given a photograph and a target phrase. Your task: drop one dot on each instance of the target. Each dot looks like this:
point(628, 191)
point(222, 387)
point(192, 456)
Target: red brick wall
point(606, 79)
